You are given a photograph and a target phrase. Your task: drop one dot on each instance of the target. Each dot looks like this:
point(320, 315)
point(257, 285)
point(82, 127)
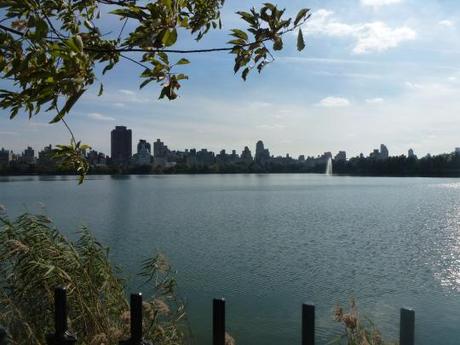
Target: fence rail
point(62, 336)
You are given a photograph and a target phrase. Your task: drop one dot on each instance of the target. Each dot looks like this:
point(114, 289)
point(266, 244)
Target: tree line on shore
point(443, 165)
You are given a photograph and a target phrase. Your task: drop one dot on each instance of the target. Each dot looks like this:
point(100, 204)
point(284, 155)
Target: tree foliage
point(51, 50)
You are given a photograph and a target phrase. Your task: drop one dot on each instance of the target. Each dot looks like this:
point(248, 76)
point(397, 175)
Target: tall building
point(160, 150)
point(28, 156)
point(234, 156)
point(143, 155)
point(262, 154)
point(45, 157)
point(383, 152)
point(144, 146)
point(411, 154)
point(341, 156)
point(6, 157)
point(246, 155)
point(160, 153)
point(121, 145)
point(205, 157)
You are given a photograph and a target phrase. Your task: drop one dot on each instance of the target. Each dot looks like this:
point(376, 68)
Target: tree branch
point(8, 29)
point(134, 61)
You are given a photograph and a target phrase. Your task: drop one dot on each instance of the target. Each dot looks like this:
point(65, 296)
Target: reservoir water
point(268, 243)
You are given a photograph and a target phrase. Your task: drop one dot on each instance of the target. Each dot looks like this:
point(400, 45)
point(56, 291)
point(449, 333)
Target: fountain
point(328, 171)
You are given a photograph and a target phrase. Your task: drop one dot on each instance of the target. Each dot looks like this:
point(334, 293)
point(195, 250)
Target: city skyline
point(162, 159)
point(122, 145)
point(370, 73)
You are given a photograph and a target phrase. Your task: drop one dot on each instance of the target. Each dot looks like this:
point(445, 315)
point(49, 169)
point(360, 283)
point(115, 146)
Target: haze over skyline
point(373, 71)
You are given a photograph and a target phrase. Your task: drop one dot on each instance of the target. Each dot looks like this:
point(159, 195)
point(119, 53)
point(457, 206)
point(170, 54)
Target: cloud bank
point(369, 37)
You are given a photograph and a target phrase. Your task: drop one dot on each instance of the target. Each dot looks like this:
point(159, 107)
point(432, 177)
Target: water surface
point(267, 243)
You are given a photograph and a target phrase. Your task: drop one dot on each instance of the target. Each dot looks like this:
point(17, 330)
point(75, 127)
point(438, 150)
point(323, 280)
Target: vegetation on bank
point(444, 165)
point(357, 331)
point(35, 258)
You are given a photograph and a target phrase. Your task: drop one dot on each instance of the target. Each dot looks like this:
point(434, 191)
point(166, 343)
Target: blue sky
point(373, 71)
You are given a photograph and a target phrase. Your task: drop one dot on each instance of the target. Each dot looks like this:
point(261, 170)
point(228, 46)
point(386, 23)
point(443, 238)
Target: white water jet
point(328, 171)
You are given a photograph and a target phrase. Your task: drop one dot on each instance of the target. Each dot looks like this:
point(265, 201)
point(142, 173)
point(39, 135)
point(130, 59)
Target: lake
point(268, 243)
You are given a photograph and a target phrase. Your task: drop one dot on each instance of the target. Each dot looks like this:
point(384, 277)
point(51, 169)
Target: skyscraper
point(143, 155)
point(28, 156)
point(144, 146)
point(383, 152)
point(160, 150)
point(5, 157)
point(262, 154)
point(121, 145)
point(246, 155)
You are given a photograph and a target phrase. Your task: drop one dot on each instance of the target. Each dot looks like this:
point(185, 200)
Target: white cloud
point(378, 3)
point(275, 126)
point(369, 37)
point(127, 92)
point(130, 96)
point(334, 102)
point(377, 100)
point(413, 86)
point(100, 117)
point(447, 23)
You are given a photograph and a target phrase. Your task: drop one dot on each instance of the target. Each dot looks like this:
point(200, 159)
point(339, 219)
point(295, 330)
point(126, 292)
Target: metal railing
point(62, 336)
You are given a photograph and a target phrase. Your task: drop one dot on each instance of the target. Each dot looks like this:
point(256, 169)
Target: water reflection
point(447, 268)
point(16, 178)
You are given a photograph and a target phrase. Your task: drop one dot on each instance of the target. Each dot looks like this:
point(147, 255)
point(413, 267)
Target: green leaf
point(240, 34)
point(245, 73)
point(108, 67)
point(300, 41)
point(134, 13)
point(169, 37)
point(181, 77)
point(248, 17)
point(101, 90)
point(302, 13)
point(237, 42)
point(145, 82)
point(183, 62)
point(164, 57)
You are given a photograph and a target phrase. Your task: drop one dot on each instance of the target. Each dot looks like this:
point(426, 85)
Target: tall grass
point(357, 330)
point(35, 258)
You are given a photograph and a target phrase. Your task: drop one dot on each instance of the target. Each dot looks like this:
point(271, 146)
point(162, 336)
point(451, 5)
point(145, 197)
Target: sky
point(373, 72)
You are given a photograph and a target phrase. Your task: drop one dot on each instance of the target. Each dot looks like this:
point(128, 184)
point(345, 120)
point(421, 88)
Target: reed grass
point(35, 258)
point(357, 330)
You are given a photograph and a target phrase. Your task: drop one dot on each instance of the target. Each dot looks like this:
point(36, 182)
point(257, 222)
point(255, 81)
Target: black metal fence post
point(218, 322)
point(308, 324)
point(136, 322)
point(3, 337)
point(61, 335)
point(407, 327)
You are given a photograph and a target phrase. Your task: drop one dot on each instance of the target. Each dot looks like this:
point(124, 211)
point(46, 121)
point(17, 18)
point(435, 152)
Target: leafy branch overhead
point(51, 50)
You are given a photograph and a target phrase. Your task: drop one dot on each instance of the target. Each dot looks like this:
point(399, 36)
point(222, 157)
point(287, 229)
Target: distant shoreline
point(226, 173)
